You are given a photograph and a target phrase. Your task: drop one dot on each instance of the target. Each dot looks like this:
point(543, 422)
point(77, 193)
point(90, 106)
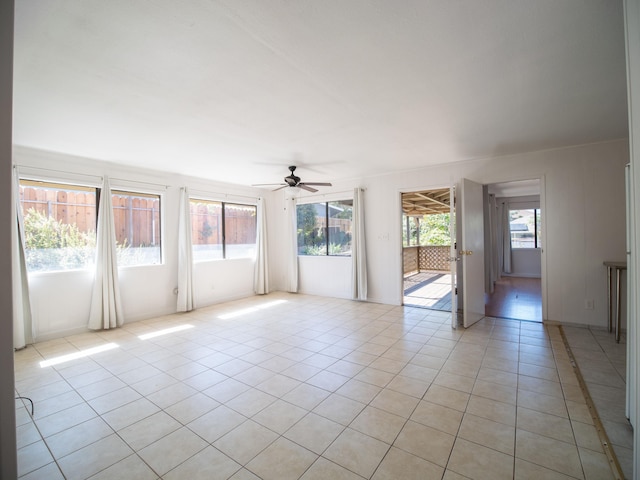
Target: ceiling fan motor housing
point(292, 180)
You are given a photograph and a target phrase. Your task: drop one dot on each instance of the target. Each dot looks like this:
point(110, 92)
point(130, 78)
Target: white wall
point(60, 300)
point(336, 269)
point(526, 262)
point(584, 224)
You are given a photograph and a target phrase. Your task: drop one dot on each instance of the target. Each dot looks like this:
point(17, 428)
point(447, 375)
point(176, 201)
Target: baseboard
point(521, 275)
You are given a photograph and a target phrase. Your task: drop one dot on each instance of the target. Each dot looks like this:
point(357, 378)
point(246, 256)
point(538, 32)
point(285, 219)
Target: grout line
point(602, 434)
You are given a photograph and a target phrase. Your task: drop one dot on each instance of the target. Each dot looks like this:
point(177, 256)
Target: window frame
point(537, 212)
point(223, 235)
point(326, 228)
point(144, 194)
point(62, 185)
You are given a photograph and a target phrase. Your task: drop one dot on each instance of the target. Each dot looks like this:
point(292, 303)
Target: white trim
point(58, 176)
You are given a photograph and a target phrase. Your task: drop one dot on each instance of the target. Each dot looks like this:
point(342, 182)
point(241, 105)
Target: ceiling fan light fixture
point(291, 192)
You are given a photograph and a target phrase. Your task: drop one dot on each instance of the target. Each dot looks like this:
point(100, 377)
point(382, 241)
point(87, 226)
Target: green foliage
point(42, 231)
point(313, 250)
point(53, 245)
point(434, 230)
point(311, 239)
point(312, 235)
point(339, 242)
point(334, 249)
point(339, 248)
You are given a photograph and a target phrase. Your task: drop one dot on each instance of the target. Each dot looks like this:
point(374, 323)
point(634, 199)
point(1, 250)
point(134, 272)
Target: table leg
point(618, 296)
point(609, 303)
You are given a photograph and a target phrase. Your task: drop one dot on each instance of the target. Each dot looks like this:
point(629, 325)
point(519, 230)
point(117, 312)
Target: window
point(239, 231)
point(59, 225)
point(524, 225)
point(325, 228)
point(222, 230)
point(137, 223)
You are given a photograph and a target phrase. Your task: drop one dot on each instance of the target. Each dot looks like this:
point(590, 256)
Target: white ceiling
point(236, 90)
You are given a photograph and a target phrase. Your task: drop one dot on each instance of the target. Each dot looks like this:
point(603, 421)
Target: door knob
point(466, 252)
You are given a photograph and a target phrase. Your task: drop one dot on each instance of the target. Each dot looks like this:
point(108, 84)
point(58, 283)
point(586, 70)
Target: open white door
point(453, 256)
point(472, 250)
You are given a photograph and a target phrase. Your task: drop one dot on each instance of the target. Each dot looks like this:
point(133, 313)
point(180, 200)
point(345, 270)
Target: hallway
point(516, 298)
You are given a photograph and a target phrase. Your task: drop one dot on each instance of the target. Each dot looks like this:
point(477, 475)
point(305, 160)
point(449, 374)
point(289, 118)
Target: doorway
point(426, 239)
point(513, 258)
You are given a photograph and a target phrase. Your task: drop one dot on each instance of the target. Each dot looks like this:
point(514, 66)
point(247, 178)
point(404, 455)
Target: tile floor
point(293, 386)
point(602, 363)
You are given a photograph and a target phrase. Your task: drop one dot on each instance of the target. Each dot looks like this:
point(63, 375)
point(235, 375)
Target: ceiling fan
point(293, 180)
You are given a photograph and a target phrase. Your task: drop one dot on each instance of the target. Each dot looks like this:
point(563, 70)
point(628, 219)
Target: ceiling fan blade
point(267, 184)
point(305, 186)
point(318, 184)
point(279, 188)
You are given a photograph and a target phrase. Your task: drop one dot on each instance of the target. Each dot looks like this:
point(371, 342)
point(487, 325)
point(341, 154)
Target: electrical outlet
point(588, 304)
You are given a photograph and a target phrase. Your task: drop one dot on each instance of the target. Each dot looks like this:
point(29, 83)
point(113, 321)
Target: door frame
point(489, 181)
point(400, 232)
point(543, 225)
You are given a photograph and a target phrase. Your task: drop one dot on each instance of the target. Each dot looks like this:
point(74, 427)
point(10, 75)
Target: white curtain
point(292, 236)
point(506, 238)
point(106, 307)
point(22, 321)
point(358, 249)
point(186, 296)
point(261, 269)
point(494, 272)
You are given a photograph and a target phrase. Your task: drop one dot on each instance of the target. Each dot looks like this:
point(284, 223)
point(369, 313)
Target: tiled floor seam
point(457, 435)
point(46, 444)
point(517, 427)
point(602, 434)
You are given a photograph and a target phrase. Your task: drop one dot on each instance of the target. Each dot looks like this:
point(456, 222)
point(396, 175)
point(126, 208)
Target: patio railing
point(423, 258)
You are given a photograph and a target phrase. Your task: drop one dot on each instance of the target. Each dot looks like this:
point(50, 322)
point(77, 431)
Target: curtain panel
point(186, 296)
point(358, 249)
point(261, 269)
point(23, 333)
point(506, 238)
point(106, 306)
point(292, 247)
